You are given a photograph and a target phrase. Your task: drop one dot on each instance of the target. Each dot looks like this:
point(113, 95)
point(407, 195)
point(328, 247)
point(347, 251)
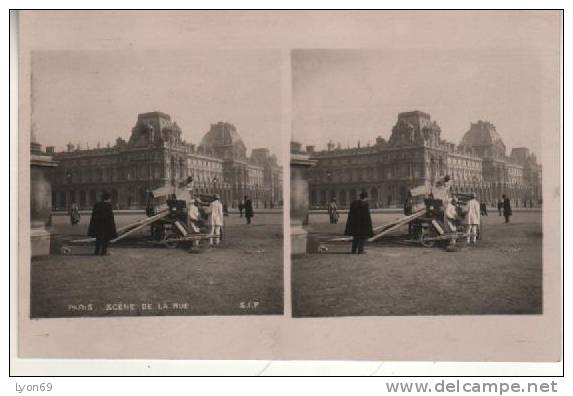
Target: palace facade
point(155, 156)
point(416, 154)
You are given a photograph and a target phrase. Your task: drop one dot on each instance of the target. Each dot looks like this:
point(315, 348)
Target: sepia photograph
point(278, 186)
point(156, 183)
point(418, 184)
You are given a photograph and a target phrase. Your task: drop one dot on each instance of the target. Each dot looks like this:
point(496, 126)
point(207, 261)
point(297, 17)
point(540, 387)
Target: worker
point(193, 222)
point(359, 223)
point(450, 216)
point(102, 224)
point(74, 213)
point(333, 211)
point(506, 208)
point(249, 213)
point(472, 219)
point(215, 220)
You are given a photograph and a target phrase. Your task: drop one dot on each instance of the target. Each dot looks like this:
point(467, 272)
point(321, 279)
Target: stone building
point(156, 155)
point(416, 154)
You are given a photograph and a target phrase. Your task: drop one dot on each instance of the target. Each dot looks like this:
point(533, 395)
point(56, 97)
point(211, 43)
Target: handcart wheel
point(426, 238)
point(171, 244)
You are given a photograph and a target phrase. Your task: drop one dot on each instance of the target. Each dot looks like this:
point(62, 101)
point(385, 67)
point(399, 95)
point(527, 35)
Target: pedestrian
point(102, 224)
point(409, 209)
point(215, 220)
point(506, 208)
point(333, 211)
point(249, 213)
point(241, 207)
point(408, 204)
point(473, 219)
point(359, 223)
point(483, 208)
point(225, 209)
point(500, 206)
point(74, 213)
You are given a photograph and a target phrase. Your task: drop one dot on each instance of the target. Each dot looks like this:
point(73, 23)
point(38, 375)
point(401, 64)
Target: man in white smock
point(216, 220)
point(450, 216)
point(473, 218)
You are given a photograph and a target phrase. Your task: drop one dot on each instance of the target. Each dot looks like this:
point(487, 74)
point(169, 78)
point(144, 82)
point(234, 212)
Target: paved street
point(242, 276)
point(502, 275)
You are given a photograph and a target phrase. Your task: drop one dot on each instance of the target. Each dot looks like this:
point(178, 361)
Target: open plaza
point(501, 275)
point(243, 275)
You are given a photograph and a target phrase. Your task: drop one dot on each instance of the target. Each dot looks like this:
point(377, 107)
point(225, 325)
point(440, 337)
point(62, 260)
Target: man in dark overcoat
point(249, 213)
point(506, 208)
point(102, 224)
point(359, 223)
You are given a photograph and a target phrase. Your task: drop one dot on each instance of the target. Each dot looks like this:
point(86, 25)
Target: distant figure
point(216, 220)
point(333, 211)
point(408, 205)
point(102, 224)
point(249, 213)
point(506, 208)
point(225, 209)
point(500, 206)
point(409, 209)
point(473, 219)
point(359, 223)
point(74, 213)
point(241, 207)
point(483, 208)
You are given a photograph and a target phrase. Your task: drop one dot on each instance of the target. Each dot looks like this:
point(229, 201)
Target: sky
point(88, 97)
point(356, 95)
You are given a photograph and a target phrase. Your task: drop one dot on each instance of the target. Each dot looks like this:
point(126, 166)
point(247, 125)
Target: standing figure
point(506, 208)
point(333, 211)
point(193, 222)
point(409, 209)
point(500, 206)
point(450, 216)
point(216, 220)
point(408, 204)
point(249, 213)
point(483, 208)
point(74, 213)
point(359, 223)
point(241, 207)
point(473, 219)
point(102, 224)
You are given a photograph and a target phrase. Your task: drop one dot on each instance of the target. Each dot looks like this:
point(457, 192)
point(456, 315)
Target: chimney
point(295, 147)
point(70, 147)
point(50, 150)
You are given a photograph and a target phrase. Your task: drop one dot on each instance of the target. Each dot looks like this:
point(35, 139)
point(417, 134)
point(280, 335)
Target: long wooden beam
point(130, 228)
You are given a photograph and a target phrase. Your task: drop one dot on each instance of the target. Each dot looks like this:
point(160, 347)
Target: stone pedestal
point(299, 204)
point(40, 200)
